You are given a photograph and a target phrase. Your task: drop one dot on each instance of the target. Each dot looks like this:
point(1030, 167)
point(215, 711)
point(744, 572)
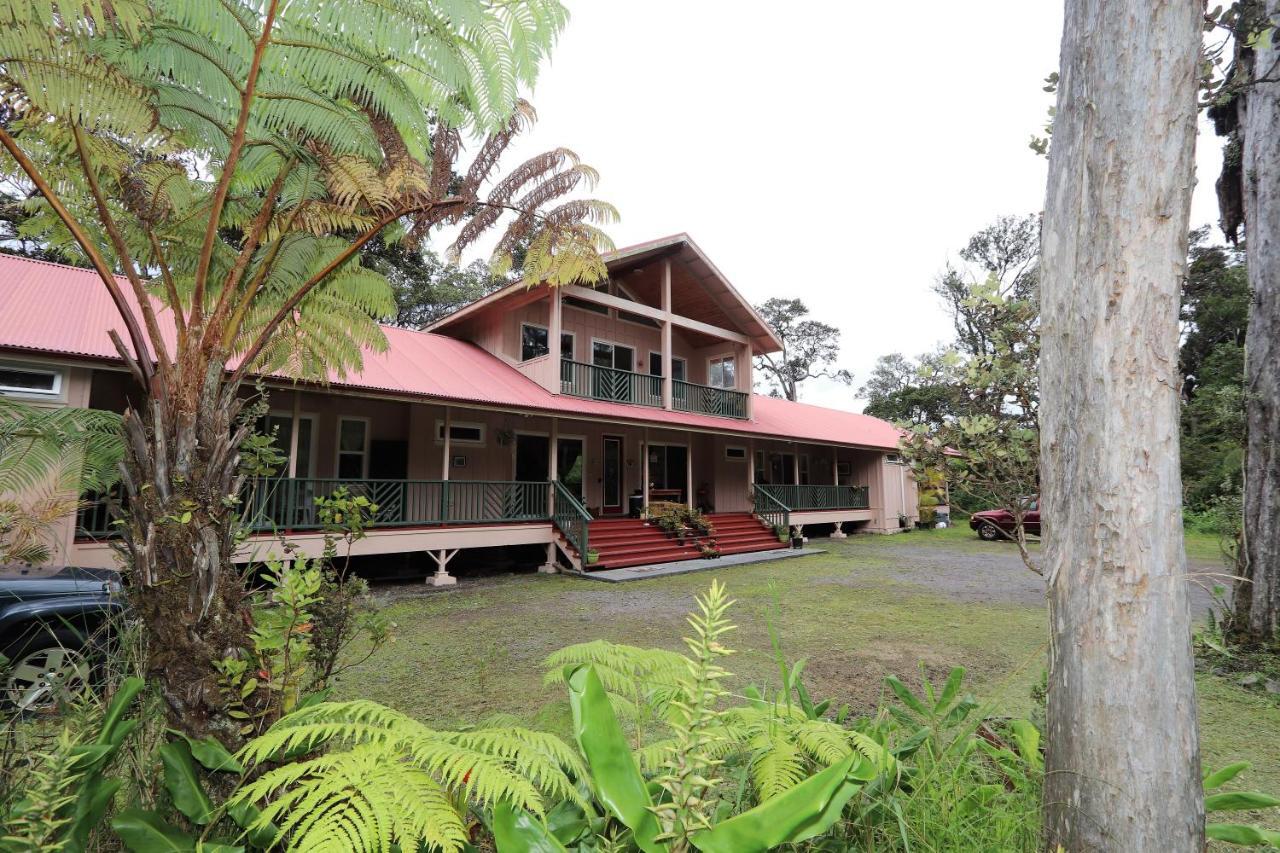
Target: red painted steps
point(622, 542)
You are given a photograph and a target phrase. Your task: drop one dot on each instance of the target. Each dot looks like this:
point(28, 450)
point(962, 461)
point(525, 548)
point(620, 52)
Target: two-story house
point(534, 416)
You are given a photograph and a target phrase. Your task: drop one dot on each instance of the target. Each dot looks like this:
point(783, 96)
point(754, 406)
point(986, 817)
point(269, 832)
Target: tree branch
point(122, 250)
point(229, 168)
point(136, 337)
point(170, 288)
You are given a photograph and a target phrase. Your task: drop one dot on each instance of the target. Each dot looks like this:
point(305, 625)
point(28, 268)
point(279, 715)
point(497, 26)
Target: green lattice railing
point(819, 497)
point(570, 517)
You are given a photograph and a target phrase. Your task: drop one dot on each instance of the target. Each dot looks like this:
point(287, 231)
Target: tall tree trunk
point(182, 483)
point(1122, 770)
point(1257, 595)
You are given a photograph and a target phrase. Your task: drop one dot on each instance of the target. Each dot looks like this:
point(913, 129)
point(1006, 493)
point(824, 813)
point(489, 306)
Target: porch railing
point(819, 497)
point(282, 503)
point(570, 517)
point(703, 399)
point(580, 379)
point(773, 511)
point(290, 504)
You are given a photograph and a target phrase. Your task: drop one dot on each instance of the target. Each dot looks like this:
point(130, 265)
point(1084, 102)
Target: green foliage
point(383, 778)
point(67, 790)
point(1227, 801)
point(425, 286)
point(49, 457)
point(1215, 313)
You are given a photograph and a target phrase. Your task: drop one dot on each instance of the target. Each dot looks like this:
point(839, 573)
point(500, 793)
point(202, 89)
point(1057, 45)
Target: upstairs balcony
point(593, 382)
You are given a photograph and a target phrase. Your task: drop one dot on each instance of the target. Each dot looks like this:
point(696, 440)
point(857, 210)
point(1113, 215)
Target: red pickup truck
point(993, 524)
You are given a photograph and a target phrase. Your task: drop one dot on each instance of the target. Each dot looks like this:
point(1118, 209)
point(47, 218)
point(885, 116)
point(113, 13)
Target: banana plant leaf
point(517, 831)
point(804, 811)
point(614, 772)
point(183, 782)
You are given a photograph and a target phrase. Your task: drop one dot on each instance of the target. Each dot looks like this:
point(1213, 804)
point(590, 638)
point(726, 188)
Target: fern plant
point(373, 777)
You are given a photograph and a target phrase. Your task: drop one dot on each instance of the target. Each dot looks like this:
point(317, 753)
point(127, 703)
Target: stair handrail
point(568, 513)
point(767, 506)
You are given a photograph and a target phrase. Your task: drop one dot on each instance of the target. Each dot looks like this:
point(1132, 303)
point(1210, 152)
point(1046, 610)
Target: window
point(30, 381)
point(638, 319)
point(678, 366)
point(353, 448)
point(722, 372)
point(584, 305)
point(605, 354)
point(735, 453)
point(533, 342)
point(460, 433)
point(804, 469)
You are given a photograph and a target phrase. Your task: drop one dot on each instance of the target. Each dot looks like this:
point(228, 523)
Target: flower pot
point(797, 542)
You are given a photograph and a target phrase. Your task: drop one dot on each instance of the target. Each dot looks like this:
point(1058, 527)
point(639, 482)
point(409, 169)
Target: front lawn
point(869, 607)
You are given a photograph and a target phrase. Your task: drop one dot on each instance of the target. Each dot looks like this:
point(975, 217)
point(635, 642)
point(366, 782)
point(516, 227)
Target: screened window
point(735, 453)
point(24, 380)
point(723, 373)
point(353, 449)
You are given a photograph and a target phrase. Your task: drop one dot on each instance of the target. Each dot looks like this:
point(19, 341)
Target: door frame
point(315, 425)
point(621, 506)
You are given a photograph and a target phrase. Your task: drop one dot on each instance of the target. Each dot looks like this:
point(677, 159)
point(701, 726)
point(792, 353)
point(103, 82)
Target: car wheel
point(44, 670)
point(988, 532)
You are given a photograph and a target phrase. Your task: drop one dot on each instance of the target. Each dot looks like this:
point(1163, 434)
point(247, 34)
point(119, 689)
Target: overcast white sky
point(821, 150)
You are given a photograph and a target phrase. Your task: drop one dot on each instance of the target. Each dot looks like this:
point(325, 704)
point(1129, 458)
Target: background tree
point(1122, 768)
point(987, 439)
point(904, 391)
point(231, 160)
point(425, 286)
point(809, 348)
point(1215, 308)
point(1245, 107)
point(1005, 253)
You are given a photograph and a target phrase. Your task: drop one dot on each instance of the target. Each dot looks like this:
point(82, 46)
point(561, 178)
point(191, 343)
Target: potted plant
point(781, 533)
point(593, 556)
point(797, 539)
point(709, 549)
point(902, 520)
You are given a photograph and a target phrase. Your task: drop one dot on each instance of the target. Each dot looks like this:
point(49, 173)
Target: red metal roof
point(55, 309)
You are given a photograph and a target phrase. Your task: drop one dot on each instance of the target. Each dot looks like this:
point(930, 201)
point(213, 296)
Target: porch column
point(442, 576)
point(745, 376)
point(666, 335)
point(293, 433)
point(688, 472)
point(644, 471)
point(553, 340)
point(553, 474)
point(838, 533)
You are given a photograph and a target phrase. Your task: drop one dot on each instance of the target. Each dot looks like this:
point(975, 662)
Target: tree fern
point(382, 778)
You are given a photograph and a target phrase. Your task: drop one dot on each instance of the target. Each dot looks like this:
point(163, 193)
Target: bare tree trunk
point(182, 481)
point(1257, 596)
point(1122, 770)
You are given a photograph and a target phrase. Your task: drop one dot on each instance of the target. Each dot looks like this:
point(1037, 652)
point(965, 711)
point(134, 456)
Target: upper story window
point(584, 305)
point(723, 372)
point(21, 381)
point(533, 342)
point(678, 366)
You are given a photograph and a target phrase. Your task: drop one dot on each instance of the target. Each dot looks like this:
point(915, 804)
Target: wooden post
point(667, 379)
point(293, 434)
point(444, 459)
point(553, 474)
point(688, 472)
point(743, 378)
point(644, 472)
point(442, 576)
point(554, 326)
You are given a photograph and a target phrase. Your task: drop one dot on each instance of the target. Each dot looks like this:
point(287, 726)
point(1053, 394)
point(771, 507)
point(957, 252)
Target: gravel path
point(993, 572)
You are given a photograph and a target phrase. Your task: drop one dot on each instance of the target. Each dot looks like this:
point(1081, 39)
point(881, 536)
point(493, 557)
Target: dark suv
point(52, 622)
